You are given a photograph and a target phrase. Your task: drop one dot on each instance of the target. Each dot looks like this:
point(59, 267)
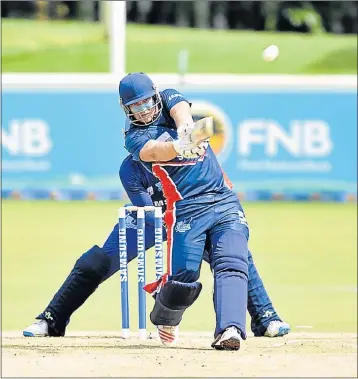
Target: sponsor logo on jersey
point(183, 226)
point(159, 186)
point(171, 97)
point(150, 191)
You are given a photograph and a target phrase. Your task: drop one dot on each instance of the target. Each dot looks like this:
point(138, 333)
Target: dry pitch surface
point(104, 354)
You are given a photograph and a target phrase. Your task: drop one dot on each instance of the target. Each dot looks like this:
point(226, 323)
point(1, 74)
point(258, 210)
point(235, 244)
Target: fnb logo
point(304, 138)
point(27, 137)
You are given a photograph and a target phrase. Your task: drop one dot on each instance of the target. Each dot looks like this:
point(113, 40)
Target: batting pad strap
point(154, 287)
point(172, 301)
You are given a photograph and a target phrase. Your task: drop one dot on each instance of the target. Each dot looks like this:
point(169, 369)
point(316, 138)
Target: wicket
point(159, 263)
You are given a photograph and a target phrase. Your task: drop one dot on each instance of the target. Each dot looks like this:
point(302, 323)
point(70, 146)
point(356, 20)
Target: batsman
point(218, 225)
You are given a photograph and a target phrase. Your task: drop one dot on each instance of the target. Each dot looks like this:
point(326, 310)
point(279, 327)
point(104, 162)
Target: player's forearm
point(156, 151)
point(181, 114)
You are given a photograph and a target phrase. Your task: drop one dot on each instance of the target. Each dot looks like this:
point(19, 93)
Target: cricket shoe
point(277, 329)
point(169, 335)
point(229, 340)
point(37, 329)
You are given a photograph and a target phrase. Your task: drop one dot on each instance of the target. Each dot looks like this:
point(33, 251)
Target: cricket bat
point(203, 129)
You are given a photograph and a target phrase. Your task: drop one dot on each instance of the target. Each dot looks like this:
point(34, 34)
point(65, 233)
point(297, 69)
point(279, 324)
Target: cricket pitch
point(99, 354)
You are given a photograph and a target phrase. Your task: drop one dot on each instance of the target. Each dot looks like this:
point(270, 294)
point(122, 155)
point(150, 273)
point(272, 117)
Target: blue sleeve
point(127, 126)
point(135, 140)
point(171, 97)
point(136, 191)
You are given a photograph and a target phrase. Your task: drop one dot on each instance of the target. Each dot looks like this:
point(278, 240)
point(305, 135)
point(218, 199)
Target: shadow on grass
point(342, 61)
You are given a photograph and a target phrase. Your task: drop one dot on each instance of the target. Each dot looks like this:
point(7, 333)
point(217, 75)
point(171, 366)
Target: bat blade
point(203, 129)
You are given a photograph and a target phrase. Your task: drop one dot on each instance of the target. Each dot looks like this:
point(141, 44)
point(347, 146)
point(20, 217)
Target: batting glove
point(190, 150)
point(184, 132)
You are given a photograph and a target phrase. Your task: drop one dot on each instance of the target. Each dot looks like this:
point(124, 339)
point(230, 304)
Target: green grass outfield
point(62, 46)
point(305, 252)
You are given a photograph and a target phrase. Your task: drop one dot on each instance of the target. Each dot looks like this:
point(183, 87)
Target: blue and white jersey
point(141, 186)
point(181, 178)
